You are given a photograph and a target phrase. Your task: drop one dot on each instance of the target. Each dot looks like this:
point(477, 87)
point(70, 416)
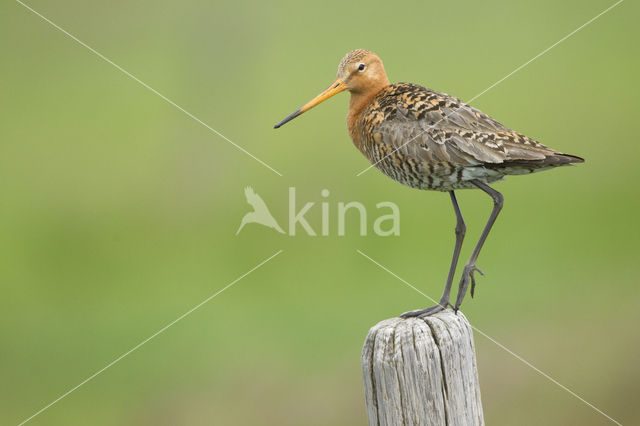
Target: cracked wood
point(422, 372)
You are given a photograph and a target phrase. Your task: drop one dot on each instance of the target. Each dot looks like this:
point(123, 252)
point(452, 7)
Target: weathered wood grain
point(422, 372)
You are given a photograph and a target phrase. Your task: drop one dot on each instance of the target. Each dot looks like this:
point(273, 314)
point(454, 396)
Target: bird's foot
point(466, 279)
point(421, 313)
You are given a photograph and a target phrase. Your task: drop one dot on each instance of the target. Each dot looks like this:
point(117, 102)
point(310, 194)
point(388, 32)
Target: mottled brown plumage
point(430, 140)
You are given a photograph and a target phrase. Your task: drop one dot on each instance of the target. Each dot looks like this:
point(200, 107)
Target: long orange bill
point(335, 88)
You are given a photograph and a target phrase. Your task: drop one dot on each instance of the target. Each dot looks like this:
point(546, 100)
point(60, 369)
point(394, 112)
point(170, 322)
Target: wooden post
point(422, 372)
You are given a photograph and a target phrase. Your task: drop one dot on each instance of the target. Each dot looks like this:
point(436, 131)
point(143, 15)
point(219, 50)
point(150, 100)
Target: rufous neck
point(357, 105)
point(361, 99)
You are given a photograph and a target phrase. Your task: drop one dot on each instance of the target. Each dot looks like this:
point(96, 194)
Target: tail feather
point(549, 161)
point(572, 158)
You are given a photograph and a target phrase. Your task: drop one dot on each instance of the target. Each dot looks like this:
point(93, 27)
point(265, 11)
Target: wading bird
point(433, 141)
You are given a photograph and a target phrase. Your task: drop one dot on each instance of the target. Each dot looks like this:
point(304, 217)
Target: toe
point(431, 311)
point(422, 313)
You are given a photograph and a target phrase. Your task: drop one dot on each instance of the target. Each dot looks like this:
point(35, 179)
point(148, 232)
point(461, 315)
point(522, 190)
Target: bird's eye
point(361, 67)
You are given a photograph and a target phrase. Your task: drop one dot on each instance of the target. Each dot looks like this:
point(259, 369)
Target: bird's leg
point(470, 267)
point(461, 229)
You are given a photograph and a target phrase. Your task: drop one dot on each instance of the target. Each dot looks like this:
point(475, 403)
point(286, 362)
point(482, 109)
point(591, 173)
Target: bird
point(430, 140)
point(260, 213)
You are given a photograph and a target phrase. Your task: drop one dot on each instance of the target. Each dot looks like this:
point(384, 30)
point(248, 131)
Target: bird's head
point(359, 71)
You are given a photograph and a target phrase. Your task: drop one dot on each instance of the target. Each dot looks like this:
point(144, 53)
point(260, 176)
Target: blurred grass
point(119, 212)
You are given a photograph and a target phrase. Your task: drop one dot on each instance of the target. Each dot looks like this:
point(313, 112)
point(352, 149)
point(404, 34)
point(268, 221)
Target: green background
point(119, 212)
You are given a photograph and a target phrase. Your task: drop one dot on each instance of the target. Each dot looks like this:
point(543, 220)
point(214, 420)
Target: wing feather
point(434, 127)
